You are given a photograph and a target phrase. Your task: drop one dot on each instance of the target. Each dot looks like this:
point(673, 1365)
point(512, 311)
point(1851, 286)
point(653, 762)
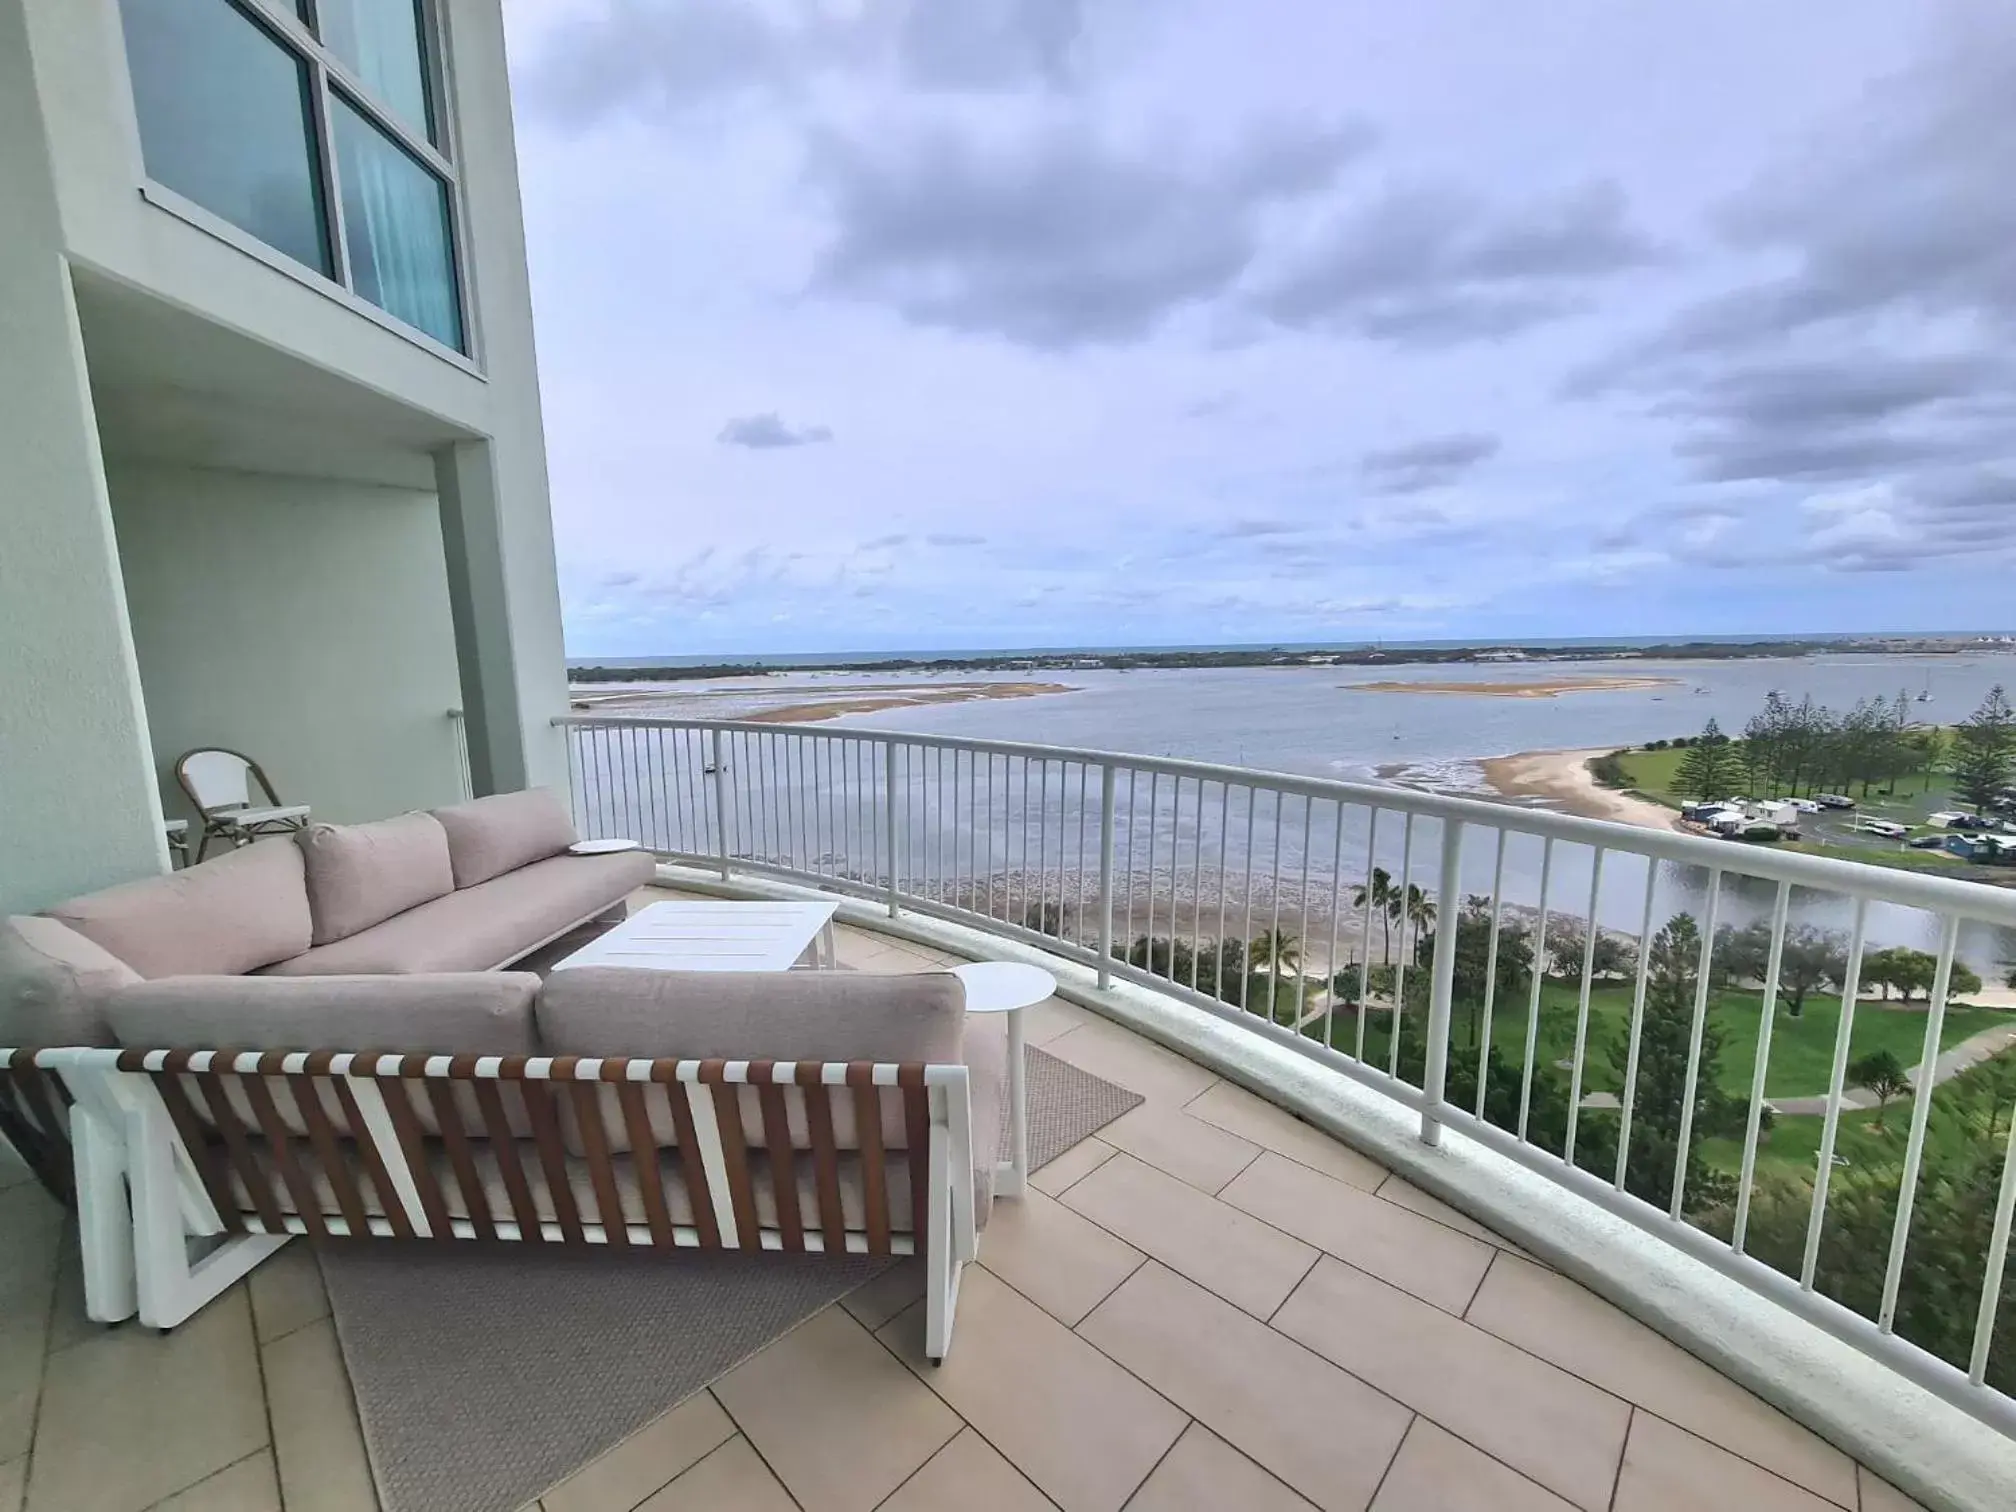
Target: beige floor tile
point(1220, 1248)
point(650, 1458)
point(248, 1486)
point(68, 1323)
point(1188, 1148)
point(1044, 1021)
point(315, 1434)
point(876, 1302)
point(1084, 1430)
point(1079, 1161)
point(1063, 1263)
point(1399, 1190)
point(1549, 1315)
point(13, 1480)
point(969, 1475)
point(731, 1479)
point(179, 1408)
point(1878, 1495)
point(1436, 1264)
point(1542, 1421)
point(1203, 1473)
point(839, 1422)
point(1324, 1433)
point(1668, 1469)
point(31, 1247)
point(1238, 1111)
point(287, 1292)
point(1437, 1472)
point(1120, 1056)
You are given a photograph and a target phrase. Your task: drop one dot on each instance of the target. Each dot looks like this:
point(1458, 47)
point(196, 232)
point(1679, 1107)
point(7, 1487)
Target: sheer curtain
point(382, 41)
point(396, 227)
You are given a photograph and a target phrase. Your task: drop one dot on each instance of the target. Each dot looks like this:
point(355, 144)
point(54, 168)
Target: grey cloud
point(1054, 238)
point(1435, 266)
point(1878, 365)
point(1435, 462)
point(767, 432)
point(1254, 529)
point(885, 543)
point(954, 538)
point(666, 57)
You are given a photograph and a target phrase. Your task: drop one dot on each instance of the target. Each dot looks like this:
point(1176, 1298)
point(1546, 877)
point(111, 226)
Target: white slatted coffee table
point(702, 935)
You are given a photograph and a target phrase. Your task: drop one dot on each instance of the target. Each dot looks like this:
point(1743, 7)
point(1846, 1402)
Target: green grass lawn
point(1802, 1049)
point(1655, 774)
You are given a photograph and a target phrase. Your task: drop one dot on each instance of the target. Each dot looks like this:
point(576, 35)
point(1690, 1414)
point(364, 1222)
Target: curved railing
point(1589, 1015)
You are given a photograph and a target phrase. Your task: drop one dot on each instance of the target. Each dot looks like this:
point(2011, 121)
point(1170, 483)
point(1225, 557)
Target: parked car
point(1927, 842)
point(1806, 805)
point(1888, 829)
point(1834, 800)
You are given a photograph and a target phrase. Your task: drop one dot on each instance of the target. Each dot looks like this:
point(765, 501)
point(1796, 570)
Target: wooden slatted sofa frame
point(167, 1125)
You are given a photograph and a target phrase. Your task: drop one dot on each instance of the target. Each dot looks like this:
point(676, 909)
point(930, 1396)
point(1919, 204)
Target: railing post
point(889, 821)
point(720, 765)
point(1441, 981)
point(1106, 876)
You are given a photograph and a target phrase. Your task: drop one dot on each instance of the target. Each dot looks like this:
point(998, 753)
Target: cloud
point(885, 543)
point(766, 432)
point(1252, 529)
point(1435, 462)
point(1435, 266)
point(671, 57)
point(1055, 236)
point(1876, 357)
point(951, 538)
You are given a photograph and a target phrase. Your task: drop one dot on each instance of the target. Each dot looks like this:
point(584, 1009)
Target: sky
point(902, 324)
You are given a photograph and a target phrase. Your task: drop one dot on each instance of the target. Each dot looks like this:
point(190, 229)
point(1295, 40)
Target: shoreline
point(838, 703)
point(1563, 778)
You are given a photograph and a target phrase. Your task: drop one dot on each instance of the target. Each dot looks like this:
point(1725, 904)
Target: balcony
point(1312, 1268)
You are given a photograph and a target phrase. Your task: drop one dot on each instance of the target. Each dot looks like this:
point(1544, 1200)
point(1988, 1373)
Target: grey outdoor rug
point(485, 1374)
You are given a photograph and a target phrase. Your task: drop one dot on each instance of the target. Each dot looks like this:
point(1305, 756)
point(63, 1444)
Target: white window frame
point(328, 79)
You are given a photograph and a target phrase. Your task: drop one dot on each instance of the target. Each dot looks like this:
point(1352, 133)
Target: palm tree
point(1278, 951)
point(1379, 895)
point(1417, 911)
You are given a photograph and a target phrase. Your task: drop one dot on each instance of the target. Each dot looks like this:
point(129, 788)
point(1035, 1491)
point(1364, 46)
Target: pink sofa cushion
point(221, 918)
point(362, 874)
point(474, 1013)
point(503, 832)
point(732, 1015)
point(482, 927)
point(53, 985)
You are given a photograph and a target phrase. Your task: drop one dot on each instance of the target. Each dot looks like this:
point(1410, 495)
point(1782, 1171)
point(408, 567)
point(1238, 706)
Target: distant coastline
point(834, 703)
point(1547, 688)
point(633, 669)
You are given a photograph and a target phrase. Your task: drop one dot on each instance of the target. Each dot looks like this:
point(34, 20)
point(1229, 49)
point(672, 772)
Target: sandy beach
point(1563, 777)
point(1551, 687)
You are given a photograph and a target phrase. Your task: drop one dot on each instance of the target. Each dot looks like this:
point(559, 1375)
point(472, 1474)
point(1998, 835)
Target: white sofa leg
point(104, 1218)
point(941, 1264)
point(170, 1288)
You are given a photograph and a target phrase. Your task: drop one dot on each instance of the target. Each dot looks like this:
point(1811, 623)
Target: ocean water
point(1309, 721)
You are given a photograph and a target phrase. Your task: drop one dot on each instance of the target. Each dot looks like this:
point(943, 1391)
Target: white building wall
point(77, 810)
point(302, 622)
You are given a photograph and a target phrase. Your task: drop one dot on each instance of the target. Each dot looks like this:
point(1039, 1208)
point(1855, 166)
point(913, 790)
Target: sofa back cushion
point(53, 985)
point(503, 832)
point(821, 1016)
point(461, 1013)
point(362, 874)
point(243, 910)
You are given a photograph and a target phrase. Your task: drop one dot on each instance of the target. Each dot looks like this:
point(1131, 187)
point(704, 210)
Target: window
point(313, 125)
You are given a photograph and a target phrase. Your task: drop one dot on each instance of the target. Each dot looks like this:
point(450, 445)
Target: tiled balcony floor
point(1208, 1305)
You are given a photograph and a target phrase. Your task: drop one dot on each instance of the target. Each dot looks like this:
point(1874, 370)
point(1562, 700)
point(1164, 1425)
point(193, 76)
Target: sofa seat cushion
point(818, 1016)
point(53, 985)
point(499, 834)
point(480, 928)
point(222, 917)
point(362, 874)
point(473, 1013)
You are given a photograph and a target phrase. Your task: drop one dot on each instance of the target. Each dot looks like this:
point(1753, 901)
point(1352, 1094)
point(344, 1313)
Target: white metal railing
point(1225, 886)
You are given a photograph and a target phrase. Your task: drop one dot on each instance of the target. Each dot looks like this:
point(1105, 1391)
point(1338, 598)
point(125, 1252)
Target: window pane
point(381, 42)
point(224, 119)
point(396, 224)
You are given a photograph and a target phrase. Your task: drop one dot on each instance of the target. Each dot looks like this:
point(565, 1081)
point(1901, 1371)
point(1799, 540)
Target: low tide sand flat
point(1551, 687)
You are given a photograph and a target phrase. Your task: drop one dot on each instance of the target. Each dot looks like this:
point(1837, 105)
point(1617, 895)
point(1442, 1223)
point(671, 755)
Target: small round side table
point(1008, 987)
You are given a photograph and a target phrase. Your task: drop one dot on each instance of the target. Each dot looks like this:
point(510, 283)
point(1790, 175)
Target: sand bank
point(843, 701)
point(1545, 688)
point(1563, 778)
